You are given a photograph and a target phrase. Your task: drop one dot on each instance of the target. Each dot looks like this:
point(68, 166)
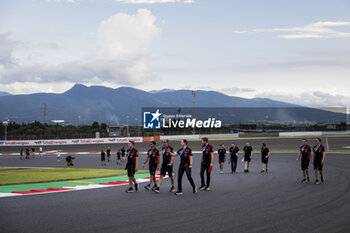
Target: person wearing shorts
point(248, 153)
point(33, 152)
point(167, 166)
point(153, 158)
point(305, 154)
point(103, 158)
point(132, 166)
point(118, 157)
point(123, 153)
point(319, 154)
point(265, 154)
point(221, 157)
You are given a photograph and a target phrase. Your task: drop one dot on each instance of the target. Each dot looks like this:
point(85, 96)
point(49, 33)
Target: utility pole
point(194, 93)
point(5, 123)
point(45, 114)
point(127, 126)
point(137, 126)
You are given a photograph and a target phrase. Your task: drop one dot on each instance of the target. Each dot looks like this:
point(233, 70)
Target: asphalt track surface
point(271, 202)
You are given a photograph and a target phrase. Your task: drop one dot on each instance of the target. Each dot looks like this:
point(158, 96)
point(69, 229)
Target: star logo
point(156, 115)
point(151, 120)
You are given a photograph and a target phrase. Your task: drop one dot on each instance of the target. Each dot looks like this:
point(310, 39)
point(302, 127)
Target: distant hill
point(3, 93)
point(83, 105)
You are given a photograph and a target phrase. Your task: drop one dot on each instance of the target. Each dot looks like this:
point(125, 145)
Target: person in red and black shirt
point(185, 154)
point(131, 165)
point(167, 166)
point(305, 154)
point(153, 157)
point(221, 157)
point(248, 153)
point(318, 156)
point(206, 163)
point(234, 156)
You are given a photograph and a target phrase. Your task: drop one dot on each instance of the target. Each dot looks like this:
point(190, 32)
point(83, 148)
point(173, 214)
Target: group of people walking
point(247, 156)
point(317, 156)
point(153, 154)
point(120, 156)
point(27, 152)
point(186, 163)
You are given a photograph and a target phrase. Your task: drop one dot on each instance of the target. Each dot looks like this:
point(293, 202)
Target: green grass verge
point(37, 175)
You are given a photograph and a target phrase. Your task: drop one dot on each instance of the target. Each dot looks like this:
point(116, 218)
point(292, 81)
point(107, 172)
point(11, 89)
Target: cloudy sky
point(296, 51)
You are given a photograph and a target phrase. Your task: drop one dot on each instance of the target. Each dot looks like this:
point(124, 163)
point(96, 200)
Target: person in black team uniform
point(69, 160)
point(304, 153)
point(222, 157)
point(248, 153)
point(265, 154)
point(206, 163)
point(27, 153)
point(103, 158)
point(319, 154)
point(33, 152)
point(234, 156)
point(167, 166)
point(153, 157)
point(185, 154)
point(118, 157)
point(131, 165)
point(123, 153)
point(108, 154)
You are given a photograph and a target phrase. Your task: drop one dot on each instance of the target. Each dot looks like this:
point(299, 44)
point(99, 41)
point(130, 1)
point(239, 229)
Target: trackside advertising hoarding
point(70, 141)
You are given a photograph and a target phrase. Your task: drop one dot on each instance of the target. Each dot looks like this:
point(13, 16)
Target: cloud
point(120, 56)
point(232, 91)
point(235, 90)
point(322, 29)
point(153, 1)
point(130, 1)
point(123, 35)
point(7, 46)
point(319, 98)
point(61, 1)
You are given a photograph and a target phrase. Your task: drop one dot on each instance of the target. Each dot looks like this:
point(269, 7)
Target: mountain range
point(83, 105)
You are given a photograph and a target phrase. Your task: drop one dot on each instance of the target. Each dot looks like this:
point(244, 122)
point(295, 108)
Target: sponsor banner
point(70, 141)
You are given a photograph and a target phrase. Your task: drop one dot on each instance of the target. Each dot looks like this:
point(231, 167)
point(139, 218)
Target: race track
point(272, 202)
